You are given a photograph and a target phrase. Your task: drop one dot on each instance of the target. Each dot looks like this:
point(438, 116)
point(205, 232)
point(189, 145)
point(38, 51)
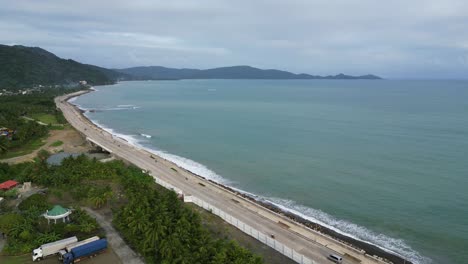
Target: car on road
point(335, 258)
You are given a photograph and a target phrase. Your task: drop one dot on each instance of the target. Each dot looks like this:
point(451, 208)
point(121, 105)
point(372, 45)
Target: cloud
point(396, 39)
point(139, 40)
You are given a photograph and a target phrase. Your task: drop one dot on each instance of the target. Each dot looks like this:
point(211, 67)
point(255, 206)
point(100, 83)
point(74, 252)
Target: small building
point(26, 187)
point(57, 213)
point(8, 185)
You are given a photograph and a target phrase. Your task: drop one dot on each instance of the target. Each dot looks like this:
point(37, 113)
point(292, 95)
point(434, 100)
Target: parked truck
point(52, 248)
point(68, 248)
point(84, 251)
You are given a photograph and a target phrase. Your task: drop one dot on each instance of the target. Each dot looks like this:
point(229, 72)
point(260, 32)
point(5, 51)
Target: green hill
point(22, 66)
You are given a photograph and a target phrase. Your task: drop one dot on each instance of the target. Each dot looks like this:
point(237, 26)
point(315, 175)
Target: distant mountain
point(233, 72)
point(22, 66)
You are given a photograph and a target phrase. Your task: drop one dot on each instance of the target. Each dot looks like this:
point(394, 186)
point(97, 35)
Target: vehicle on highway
point(335, 258)
point(88, 250)
point(74, 245)
point(51, 248)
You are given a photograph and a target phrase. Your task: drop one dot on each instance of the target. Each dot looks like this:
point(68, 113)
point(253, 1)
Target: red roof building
point(8, 185)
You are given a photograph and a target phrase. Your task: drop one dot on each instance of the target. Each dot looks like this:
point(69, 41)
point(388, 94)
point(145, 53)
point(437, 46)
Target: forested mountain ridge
point(22, 66)
point(232, 72)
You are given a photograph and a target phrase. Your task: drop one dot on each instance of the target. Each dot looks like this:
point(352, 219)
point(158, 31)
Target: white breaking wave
point(125, 105)
point(192, 166)
point(182, 162)
point(389, 244)
point(145, 135)
point(128, 138)
point(392, 245)
point(110, 108)
point(78, 105)
point(114, 109)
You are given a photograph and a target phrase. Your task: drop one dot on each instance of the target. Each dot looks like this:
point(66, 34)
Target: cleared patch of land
point(67, 139)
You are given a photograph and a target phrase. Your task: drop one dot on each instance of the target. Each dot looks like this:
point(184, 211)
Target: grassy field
point(57, 143)
point(26, 149)
point(58, 127)
point(45, 118)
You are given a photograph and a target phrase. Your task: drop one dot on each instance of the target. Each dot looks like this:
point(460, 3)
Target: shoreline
point(357, 245)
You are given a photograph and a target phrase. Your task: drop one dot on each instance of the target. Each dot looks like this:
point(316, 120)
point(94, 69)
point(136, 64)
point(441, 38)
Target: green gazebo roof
point(57, 210)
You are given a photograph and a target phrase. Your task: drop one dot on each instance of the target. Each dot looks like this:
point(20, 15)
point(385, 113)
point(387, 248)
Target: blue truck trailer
point(87, 250)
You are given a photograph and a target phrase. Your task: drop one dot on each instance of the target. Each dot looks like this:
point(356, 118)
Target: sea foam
point(389, 244)
point(145, 135)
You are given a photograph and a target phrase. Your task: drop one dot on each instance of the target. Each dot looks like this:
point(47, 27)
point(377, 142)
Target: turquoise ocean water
point(382, 161)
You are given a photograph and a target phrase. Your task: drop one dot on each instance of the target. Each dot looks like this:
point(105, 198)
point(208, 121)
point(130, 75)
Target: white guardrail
point(265, 239)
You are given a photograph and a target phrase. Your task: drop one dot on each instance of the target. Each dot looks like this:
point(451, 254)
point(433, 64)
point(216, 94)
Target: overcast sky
point(395, 39)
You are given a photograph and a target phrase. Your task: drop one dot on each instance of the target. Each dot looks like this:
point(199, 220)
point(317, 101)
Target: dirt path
point(125, 253)
point(73, 142)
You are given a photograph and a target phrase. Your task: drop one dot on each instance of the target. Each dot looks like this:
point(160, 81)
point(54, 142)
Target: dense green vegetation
point(26, 229)
point(23, 67)
point(165, 231)
point(153, 220)
point(22, 149)
point(16, 114)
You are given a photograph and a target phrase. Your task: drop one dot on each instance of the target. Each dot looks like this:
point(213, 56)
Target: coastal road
point(311, 244)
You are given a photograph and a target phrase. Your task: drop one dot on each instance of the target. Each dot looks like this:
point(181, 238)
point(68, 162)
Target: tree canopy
point(152, 219)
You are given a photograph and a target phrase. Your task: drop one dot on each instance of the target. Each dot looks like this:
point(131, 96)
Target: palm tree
point(99, 200)
point(47, 237)
point(87, 227)
point(153, 235)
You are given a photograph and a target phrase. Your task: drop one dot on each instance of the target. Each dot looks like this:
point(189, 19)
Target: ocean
point(383, 161)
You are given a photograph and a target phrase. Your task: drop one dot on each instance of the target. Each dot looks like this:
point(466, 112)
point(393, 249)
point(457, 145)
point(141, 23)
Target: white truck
point(52, 248)
point(71, 246)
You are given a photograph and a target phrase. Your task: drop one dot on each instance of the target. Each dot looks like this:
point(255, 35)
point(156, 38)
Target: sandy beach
point(298, 234)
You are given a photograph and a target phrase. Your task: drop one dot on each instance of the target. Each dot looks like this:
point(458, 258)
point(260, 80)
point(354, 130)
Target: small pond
point(56, 159)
